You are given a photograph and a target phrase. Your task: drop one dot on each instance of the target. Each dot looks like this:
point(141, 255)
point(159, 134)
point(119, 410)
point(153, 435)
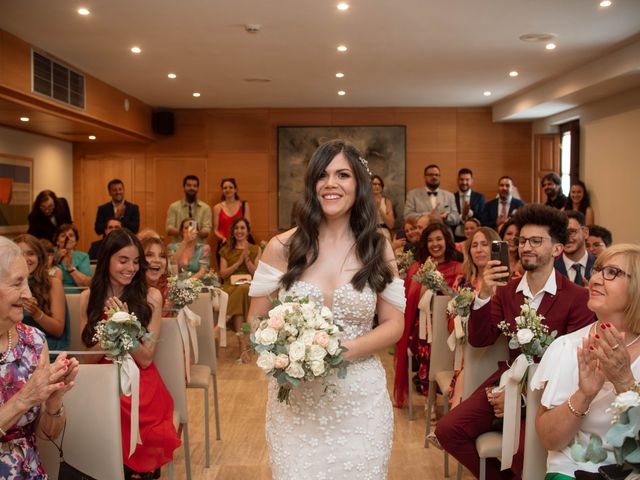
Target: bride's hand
point(346, 344)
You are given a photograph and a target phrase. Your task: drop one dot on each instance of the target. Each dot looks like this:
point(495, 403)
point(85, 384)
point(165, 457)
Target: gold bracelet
point(2, 432)
point(576, 412)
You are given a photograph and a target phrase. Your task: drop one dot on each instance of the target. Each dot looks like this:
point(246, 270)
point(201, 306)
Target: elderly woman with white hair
point(32, 388)
point(582, 372)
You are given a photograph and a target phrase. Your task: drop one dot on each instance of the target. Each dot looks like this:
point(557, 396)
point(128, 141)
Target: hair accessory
point(365, 164)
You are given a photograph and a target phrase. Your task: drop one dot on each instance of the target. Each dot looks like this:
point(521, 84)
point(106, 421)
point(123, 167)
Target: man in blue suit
point(128, 213)
point(470, 204)
point(575, 263)
point(499, 210)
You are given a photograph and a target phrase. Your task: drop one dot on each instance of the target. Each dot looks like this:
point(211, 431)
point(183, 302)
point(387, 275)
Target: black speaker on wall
point(162, 123)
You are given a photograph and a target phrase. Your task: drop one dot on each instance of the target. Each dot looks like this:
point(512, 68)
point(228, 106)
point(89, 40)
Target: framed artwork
point(16, 193)
point(384, 147)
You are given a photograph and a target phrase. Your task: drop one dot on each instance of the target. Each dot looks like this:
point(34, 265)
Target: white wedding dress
point(347, 431)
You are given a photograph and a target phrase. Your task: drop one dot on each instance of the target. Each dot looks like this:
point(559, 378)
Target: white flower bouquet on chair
point(429, 276)
point(183, 290)
point(298, 342)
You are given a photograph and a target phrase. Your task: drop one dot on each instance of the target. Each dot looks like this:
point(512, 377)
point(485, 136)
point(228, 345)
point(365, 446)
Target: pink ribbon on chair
point(425, 326)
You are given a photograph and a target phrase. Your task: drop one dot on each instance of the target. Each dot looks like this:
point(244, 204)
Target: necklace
point(5, 355)
point(632, 341)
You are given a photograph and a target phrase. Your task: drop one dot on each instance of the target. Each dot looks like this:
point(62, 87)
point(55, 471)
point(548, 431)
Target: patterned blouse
point(18, 453)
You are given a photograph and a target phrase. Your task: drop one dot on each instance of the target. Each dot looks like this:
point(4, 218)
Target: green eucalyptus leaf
point(578, 453)
point(595, 453)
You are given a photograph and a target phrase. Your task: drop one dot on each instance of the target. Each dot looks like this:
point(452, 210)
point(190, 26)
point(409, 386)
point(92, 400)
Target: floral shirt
point(18, 453)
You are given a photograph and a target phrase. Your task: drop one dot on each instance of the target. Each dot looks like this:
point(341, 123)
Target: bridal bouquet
point(429, 276)
point(120, 333)
point(298, 342)
point(404, 260)
point(183, 290)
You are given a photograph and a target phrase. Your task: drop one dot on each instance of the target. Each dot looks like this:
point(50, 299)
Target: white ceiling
point(401, 52)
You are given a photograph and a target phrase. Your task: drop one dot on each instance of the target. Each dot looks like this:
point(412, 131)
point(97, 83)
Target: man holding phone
point(189, 207)
point(543, 232)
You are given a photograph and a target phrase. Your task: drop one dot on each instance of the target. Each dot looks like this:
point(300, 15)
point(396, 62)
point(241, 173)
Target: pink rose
point(276, 323)
point(321, 339)
point(282, 361)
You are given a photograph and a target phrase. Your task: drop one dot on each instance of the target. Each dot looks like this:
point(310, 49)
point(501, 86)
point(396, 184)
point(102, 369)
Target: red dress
point(225, 221)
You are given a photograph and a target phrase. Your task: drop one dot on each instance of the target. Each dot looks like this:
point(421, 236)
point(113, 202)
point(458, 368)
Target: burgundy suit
point(565, 312)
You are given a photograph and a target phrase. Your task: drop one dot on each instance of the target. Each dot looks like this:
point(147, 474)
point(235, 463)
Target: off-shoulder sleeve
point(266, 280)
point(394, 294)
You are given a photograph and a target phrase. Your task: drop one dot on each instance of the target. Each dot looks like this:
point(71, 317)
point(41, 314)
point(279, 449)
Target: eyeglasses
point(533, 241)
point(609, 272)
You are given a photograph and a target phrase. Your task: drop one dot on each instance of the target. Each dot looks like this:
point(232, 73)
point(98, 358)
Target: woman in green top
point(188, 254)
point(238, 257)
point(75, 265)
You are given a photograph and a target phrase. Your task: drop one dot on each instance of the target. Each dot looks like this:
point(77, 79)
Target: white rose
point(524, 336)
point(626, 400)
point(120, 317)
point(316, 353)
point(317, 368)
point(297, 351)
point(308, 312)
point(266, 361)
point(326, 313)
point(268, 336)
point(256, 336)
point(295, 370)
point(520, 320)
point(290, 329)
point(308, 336)
point(332, 348)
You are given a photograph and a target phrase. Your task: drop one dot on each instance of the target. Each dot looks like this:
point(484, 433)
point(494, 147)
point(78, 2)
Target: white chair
point(169, 360)
point(220, 300)
point(92, 438)
point(207, 366)
point(75, 338)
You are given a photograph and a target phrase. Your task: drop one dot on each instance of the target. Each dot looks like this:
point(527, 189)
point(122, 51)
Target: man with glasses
point(438, 204)
point(599, 238)
point(543, 232)
point(575, 262)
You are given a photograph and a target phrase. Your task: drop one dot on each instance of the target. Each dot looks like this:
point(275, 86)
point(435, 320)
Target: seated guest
point(47, 214)
point(436, 242)
point(575, 262)
point(155, 252)
point(53, 270)
point(551, 185)
point(112, 224)
point(46, 310)
point(238, 257)
point(75, 265)
point(543, 232)
point(32, 389)
point(579, 201)
point(119, 282)
point(499, 210)
point(599, 238)
point(189, 254)
point(410, 239)
point(471, 226)
point(148, 232)
point(598, 362)
point(509, 232)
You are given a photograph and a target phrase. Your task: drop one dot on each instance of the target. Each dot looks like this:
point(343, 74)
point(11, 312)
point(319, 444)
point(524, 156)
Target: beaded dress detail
point(344, 432)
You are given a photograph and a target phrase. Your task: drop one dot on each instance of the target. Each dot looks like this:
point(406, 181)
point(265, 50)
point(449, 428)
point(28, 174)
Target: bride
point(337, 257)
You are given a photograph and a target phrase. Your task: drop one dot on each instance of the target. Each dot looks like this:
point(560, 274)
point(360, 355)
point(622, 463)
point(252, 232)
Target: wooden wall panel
point(244, 130)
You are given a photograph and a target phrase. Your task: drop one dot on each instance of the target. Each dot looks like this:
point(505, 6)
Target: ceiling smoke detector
point(252, 28)
point(537, 37)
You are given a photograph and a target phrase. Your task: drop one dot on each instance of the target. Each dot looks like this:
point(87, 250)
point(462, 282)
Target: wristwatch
point(70, 271)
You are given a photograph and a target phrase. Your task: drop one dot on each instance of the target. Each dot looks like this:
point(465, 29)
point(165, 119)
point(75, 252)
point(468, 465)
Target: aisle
point(242, 452)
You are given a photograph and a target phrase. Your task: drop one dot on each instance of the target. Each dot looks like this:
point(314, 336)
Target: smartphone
point(66, 240)
point(500, 251)
point(193, 225)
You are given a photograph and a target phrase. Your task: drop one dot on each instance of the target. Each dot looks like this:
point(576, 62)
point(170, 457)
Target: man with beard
point(575, 262)
point(499, 210)
point(543, 232)
point(128, 213)
point(552, 188)
point(189, 207)
point(470, 204)
point(438, 204)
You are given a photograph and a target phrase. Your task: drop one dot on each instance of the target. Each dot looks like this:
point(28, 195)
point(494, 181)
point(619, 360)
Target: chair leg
point(446, 455)
point(207, 458)
point(171, 470)
point(459, 472)
point(187, 455)
point(483, 469)
point(215, 405)
point(430, 407)
point(410, 382)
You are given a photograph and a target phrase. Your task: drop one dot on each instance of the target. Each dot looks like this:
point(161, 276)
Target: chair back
point(169, 360)
point(480, 363)
point(206, 343)
point(535, 455)
point(441, 357)
point(93, 438)
point(73, 304)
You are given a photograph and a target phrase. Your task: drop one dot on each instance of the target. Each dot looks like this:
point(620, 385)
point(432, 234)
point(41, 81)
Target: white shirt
point(550, 287)
point(568, 264)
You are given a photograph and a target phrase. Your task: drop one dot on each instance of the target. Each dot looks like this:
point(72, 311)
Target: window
point(569, 153)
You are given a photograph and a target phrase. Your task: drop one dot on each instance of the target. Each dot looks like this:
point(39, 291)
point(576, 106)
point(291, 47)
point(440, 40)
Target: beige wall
point(609, 159)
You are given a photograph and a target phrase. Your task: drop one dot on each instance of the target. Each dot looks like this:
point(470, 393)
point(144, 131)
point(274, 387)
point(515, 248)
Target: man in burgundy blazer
point(560, 301)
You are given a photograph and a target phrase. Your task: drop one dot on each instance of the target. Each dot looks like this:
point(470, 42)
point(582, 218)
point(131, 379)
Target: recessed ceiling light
point(550, 46)
point(83, 11)
point(342, 93)
point(24, 119)
point(513, 73)
point(487, 93)
point(339, 75)
point(196, 94)
point(171, 75)
point(342, 48)
point(343, 6)
point(537, 37)
point(605, 3)
point(136, 50)
point(92, 137)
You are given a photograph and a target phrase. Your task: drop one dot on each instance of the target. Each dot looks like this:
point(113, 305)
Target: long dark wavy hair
point(39, 280)
point(232, 237)
point(363, 220)
point(422, 252)
point(134, 294)
point(584, 203)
